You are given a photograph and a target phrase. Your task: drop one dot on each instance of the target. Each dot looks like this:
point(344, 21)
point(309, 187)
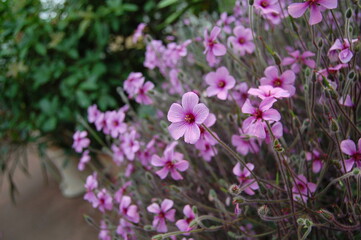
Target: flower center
point(189, 220)
point(161, 215)
point(189, 118)
point(221, 84)
point(301, 187)
point(202, 129)
point(264, 4)
point(258, 114)
point(241, 40)
point(357, 156)
point(169, 164)
point(277, 82)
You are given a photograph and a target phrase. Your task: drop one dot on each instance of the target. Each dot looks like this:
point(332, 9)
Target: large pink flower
point(212, 47)
point(242, 42)
point(349, 147)
point(163, 212)
point(171, 162)
point(297, 10)
point(185, 118)
point(254, 125)
point(285, 80)
point(219, 83)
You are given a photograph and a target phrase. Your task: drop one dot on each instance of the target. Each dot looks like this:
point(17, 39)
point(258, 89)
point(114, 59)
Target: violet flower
point(297, 10)
point(85, 158)
point(242, 42)
point(138, 32)
point(267, 91)
point(185, 118)
point(285, 80)
point(302, 188)
point(80, 141)
point(244, 144)
point(115, 123)
point(163, 213)
point(133, 83)
point(141, 95)
point(171, 162)
point(297, 59)
point(341, 50)
point(91, 184)
point(129, 211)
point(183, 224)
point(124, 229)
point(349, 147)
point(104, 201)
point(212, 47)
point(93, 113)
point(246, 182)
point(316, 157)
point(219, 83)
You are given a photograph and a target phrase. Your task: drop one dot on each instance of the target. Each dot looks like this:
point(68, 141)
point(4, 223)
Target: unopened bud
point(296, 122)
point(212, 195)
point(326, 214)
point(157, 237)
point(148, 228)
point(301, 221)
point(348, 13)
point(149, 176)
point(307, 72)
point(277, 146)
point(234, 190)
point(195, 210)
point(334, 126)
point(308, 223)
point(356, 171)
point(277, 59)
point(263, 210)
point(351, 75)
point(320, 43)
point(250, 2)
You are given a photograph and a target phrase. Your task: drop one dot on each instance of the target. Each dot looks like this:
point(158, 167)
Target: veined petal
point(315, 15)
point(201, 113)
point(189, 100)
point(175, 113)
point(166, 205)
point(271, 115)
point(348, 147)
point(296, 10)
point(177, 130)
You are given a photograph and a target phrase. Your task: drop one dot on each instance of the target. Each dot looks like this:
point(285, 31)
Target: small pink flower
point(163, 213)
point(85, 158)
point(130, 144)
point(90, 185)
point(171, 162)
point(93, 113)
point(242, 42)
point(267, 91)
point(118, 154)
point(285, 81)
point(277, 130)
point(225, 22)
point(297, 10)
point(183, 224)
point(267, 6)
point(347, 102)
point(246, 182)
point(141, 96)
point(240, 93)
point(297, 59)
point(129, 211)
point(302, 188)
point(145, 155)
point(133, 83)
point(205, 135)
point(115, 123)
point(138, 32)
point(125, 230)
point(219, 83)
point(349, 147)
point(212, 47)
point(317, 160)
point(341, 50)
point(104, 233)
point(244, 144)
point(176, 86)
point(80, 141)
point(206, 150)
point(104, 201)
point(185, 118)
point(253, 125)
point(121, 192)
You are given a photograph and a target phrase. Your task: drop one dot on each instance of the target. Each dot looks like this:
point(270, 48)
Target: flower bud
point(296, 122)
point(250, 2)
point(157, 237)
point(308, 223)
point(351, 75)
point(326, 214)
point(277, 146)
point(148, 228)
point(212, 195)
point(277, 59)
point(301, 221)
point(320, 43)
point(195, 210)
point(149, 176)
point(356, 171)
point(307, 72)
point(234, 190)
point(348, 13)
point(334, 126)
point(263, 211)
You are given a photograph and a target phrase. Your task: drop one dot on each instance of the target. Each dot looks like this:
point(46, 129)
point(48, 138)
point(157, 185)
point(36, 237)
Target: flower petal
point(201, 113)
point(189, 100)
point(192, 134)
point(348, 147)
point(175, 113)
point(166, 205)
point(177, 130)
point(296, 10)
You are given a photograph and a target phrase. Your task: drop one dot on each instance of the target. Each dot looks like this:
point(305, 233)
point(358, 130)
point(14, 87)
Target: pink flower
point(176, 86)
point(240, 93)
point(302, 188)
point(297, 59)
point(253, 125)
point(163, 213)
point(80, 141)
point(285, 81)
point(297, 10)
point(342, 50)
point(244, 144)
point(205, 135)
point(277, 130)
point(118, 154)
point(213, 48)
point(121, 191)
point(138, 32)
point(185, 118)
point(142, 96)
point(145, 155)
point(267, 91)
point(133, 83)
point(85, 158)
point(349, 147)
point(104, 201)
point(219, 83)
point(171, 162)
point(101, 122)
point(242, 43)
point(246, 182)
point(316, 157)
point(226, 21)
point(267, 6)
point(347, 102)
point(130, 144)
point(93, 113)
point(129, 211)
point(183, 224)
point(90, 185)
point(104, 233)
point(206, 150)
point(115, 123)
point(125, 230)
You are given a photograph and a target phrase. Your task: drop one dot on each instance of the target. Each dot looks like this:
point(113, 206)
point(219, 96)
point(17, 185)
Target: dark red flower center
point(221, 84)
point(169, 164)
point(264, 4)
point(277, 82)
point(241, 40)
point(115, 123)
point(202, 129)
point(161, 215)
point(189, 220)
point(357, 156)
point(301, 187)
point(189, 118)
point(258, 114)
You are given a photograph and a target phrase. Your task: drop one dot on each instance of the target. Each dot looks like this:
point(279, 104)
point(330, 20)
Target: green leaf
point(82, 99)
point(40, 48)
point(49, 124)
point(166, 3)
point(130, 7)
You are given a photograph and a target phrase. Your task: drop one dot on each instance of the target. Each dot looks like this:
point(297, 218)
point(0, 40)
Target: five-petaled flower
point(349, 147)
point(247, 183)
point(80, 141)
point(129, 211)
point(185, 118)
point(285, 80)
point(302, 188)
point(184, 224)
point(242, 42)
point(163, 213)
point(219, 83)
point(212, 47)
